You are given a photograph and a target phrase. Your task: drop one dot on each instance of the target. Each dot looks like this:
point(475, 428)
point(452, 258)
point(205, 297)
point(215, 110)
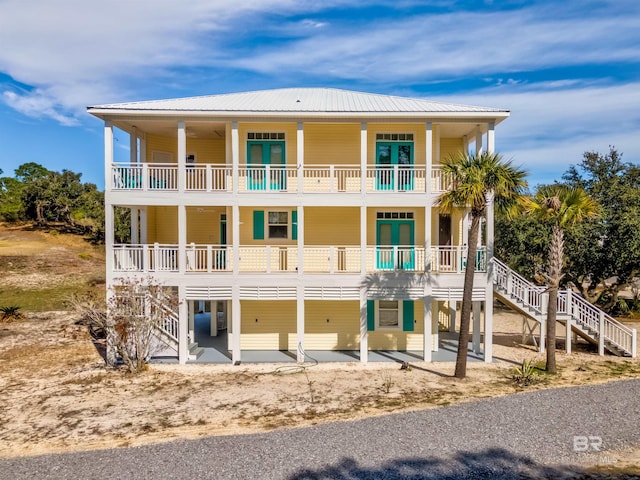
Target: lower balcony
point(152, 258)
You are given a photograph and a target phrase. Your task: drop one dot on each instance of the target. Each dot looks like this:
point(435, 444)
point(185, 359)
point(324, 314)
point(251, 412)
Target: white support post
point(235, 156)
point(235, 325)
point(108, 156)
point(601, 334)
point(182, 238)
point(452, 315)
point(428, 326)
point(363, 158)
point(363, 241)
point(213, 320)
point(133, 146)
point(569, 323)
point(192, 322)
point(182, 157)
point(364, 333)
point(634, 343)
point(300, 323)
point(479, 142)
point(428, 206)
point(300, 155)
point(465, 145)
point(143, 225)
point(435, 325)
point(235, 237)
point(183, 336)
point(436, 142)
point(491, 137)
point(488, 310)
point(475, 337)
point(300, 210)
point(143, 148)
point(109, 239)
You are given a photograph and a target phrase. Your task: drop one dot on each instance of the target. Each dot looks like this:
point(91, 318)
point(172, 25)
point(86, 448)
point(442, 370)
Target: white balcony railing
point(207, 177)
point(284, 258)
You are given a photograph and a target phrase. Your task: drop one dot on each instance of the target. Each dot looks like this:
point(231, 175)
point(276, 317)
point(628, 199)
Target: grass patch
point(45, 299)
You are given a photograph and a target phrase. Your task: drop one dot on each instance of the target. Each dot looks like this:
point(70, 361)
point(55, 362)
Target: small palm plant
point(10, 313)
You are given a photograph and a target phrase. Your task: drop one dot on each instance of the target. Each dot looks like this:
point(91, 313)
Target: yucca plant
point(525, 374)
point(10, 313)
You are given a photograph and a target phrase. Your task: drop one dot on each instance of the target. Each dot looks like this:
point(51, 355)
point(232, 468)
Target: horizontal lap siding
point(207, 150)
point(326, 144)
point(340, 332)
point(158, 143)
point(275, 328)
point(449, 147)
point(290, 134)
point(332, 226)
point(419, 139)
point(246, 227)
point(418, 219)
point(162, 225)
point(203, 225)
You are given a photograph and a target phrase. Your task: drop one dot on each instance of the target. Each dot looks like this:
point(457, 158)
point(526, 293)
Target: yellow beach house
point(302, 219)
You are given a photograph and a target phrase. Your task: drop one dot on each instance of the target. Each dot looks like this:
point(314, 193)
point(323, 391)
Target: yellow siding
point(275, 328)
point(157, 143)
point(419, 139)
point(449, 147)
point(331, 144)
point(162, 225)
point(203, 224)
point(207, 150)
point(332, 325)
point(332, 226)
point(418, 218)
point(290, 134)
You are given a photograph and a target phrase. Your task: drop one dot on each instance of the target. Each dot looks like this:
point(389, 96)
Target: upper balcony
point(164, 177)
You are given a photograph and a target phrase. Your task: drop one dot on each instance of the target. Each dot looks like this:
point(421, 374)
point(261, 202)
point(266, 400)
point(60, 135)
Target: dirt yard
point(57, 395)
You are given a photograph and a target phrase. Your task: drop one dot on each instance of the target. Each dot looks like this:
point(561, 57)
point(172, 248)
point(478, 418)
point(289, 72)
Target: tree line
point(57, 200)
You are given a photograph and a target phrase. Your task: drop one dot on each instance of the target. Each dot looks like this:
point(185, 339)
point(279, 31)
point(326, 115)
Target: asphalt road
point(528, 435)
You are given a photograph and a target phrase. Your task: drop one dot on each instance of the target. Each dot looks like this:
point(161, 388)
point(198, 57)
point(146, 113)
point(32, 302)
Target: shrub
point(525, 374)
point(10, 313)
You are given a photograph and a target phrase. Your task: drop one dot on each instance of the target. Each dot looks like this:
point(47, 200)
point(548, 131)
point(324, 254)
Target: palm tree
point(475, 180)
point(560, 206)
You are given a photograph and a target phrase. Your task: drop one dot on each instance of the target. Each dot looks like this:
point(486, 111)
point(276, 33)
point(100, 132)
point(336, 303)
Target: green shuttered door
point(258, 225)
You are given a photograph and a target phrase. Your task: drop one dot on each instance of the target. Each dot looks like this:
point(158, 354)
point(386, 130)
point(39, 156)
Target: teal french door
point(389, 154)
point(395, 245)
point(260, 154)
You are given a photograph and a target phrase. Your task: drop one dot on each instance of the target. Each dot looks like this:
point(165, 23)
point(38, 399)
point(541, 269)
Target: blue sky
point(569, 70)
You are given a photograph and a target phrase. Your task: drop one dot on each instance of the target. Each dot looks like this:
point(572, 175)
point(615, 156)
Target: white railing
point(453, 259)
point(584, 314)
point(209, 258)
point(145, 258)
point(144, 176)
point(440, 181)
point(331, 178)
point(268, 178)
point(341, 259)
point(268, 259)
point(169, 324)
point(395, 178)
point(208, 177)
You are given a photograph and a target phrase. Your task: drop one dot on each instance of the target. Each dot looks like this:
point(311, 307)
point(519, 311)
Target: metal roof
point(297, 100)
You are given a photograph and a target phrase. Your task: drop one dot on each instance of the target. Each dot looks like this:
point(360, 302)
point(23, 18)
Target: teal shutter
point(294, 225)
point(258, 224)
point(371, 315)
point(407, 315)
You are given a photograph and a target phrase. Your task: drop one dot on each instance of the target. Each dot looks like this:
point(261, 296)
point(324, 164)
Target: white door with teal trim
point(394, 166)
point(395, 244)
point(266, 161)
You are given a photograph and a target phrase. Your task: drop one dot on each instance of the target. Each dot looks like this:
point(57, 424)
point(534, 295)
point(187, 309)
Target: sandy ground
point(58, 396)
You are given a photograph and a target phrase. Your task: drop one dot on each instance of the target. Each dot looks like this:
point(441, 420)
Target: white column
point(569, 322)
point(479, 142)
point(235, 156)
point(465, 145)
point(488, 310)
point(235, 234)
point(143, 224)
point(435, 323)
point(364, 333)
point(429, 192)
point(300, 156)
point(182, 156)
point(600, 335)
point(475, 337)
point(135, 228)
point(192, 321)
point(213, 321)
point(300, 240)
point(182, 238)
point(363, 158)
point(428, 326)
point(491, 137)
point(363, 241)
point(183, 336)
point(143, 148)
point(235, 325)
point(108, 239)
point(300, 322)
point(133, 146)
point(452, 315)
point(108, 156)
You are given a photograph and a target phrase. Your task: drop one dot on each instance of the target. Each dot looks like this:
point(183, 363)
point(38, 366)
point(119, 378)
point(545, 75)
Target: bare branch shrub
point(135, 317)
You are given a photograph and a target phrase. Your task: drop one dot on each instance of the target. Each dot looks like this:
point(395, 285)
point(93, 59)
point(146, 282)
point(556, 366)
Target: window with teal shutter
point(294, 225)
point(371, 315)
point(407, 315)
point(258, 224)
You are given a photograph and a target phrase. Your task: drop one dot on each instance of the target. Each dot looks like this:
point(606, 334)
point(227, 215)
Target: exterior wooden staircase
point(580, 316)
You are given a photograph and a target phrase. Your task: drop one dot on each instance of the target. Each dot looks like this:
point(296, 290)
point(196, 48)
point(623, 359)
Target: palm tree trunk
point(556, 252)
point(467, 298)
